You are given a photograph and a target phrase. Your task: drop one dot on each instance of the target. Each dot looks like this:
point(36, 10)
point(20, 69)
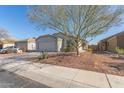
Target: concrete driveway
point(58, 76)
point(11, 80)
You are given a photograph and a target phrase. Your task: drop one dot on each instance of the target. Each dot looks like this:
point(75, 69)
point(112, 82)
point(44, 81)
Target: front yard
point(105, 63)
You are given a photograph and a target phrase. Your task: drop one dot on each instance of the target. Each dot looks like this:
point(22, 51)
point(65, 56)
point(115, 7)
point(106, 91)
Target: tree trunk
point(77, 51)
point(77, 41)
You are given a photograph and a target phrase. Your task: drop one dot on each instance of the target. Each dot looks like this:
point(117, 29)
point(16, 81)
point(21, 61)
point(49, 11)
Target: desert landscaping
point(99, 62)
point(75, 46)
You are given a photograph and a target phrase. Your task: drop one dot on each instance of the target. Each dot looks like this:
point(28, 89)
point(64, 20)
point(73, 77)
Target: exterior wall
point(31, 44)
point(93, 47)
point(48, 43)
point(120, 42)
point(59, 44)
point(7, 45)
point(62, 36)
point(81, 49)
point(64, 41)
point(22, 45)
point(103, 45)
point(112, 44)
point(26, 45)
point(108, 45)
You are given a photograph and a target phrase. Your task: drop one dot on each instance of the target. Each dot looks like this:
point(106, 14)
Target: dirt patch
point(93, 62)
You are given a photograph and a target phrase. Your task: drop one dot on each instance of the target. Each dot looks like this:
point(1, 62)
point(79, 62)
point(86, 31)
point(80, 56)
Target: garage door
point(49, 46)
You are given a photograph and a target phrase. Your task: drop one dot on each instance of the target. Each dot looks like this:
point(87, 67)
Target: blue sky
point(15, 20)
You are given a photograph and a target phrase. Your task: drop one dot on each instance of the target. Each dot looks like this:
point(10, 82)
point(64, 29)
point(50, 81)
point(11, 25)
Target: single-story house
point(6, 43)
point(110, 43)
point(65, 40)
point(27, 44)
point(93, 47)
point(49, 43)
point(63, 37)
point(52, 43)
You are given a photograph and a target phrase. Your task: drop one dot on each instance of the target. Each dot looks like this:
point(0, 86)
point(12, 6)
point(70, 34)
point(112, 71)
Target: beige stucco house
point(52, 43)
point(49, 43)
point(6, 43)
point(27, 44)
point(110, 43)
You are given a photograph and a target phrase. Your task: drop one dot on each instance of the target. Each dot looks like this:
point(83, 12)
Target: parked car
point(10, 50)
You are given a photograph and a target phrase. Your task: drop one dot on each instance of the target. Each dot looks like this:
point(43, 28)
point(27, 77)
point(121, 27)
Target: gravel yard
point(105, 63)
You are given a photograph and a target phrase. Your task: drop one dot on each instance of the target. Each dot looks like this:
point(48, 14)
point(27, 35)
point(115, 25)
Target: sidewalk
point(63, 77)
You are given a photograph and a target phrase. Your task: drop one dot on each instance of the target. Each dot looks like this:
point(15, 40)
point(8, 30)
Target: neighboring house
point(93, 47)
point(56, 42)
point(110, 43)
point(27, 44)
point(6, 43)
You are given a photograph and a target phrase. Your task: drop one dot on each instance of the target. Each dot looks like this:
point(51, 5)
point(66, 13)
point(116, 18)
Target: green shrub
point(43, 55)
point(119, 51)
point(69, 47)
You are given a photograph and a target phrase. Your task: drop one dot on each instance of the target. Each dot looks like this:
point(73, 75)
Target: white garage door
point(49, 46)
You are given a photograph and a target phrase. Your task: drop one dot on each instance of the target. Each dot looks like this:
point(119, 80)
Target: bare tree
point(4, 34)
point(81, 22)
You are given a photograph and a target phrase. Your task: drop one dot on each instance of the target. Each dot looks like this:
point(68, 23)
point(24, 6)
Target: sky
point(15, 20)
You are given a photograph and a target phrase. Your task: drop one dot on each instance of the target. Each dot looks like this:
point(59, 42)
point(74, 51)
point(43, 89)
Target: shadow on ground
point(11, 80)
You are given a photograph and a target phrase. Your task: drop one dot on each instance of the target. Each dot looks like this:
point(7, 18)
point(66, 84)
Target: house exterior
point(27, 44)
point(93, 47)
point(53, 43)
point(6, 43)
point(110, 43)
point(66, 39)
point(49, 43)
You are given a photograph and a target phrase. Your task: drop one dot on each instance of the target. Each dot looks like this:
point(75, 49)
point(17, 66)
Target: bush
point(43, 55)
point(69, 47)
point(119, 51)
